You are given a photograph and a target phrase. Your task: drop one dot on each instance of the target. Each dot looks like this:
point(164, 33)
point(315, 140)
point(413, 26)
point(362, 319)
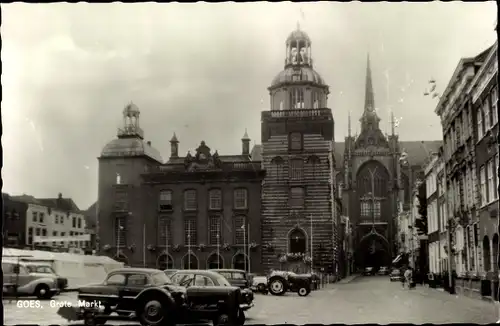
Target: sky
point(202, 71)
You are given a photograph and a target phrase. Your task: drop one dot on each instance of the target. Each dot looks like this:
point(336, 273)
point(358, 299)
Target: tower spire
point(369, 95)
point(393, 124)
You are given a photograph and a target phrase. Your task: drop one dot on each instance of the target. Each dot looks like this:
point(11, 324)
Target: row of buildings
point(27, 220)
point(299, 200)
point(460, 181)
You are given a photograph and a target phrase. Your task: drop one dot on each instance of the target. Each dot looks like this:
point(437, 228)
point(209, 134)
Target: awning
point(397, 259)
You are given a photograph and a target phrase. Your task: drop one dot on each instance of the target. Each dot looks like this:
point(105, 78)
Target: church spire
point(369, 96)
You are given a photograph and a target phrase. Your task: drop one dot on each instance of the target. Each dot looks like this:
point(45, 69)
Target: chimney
point(245, 142)
point(149, 143)
point(59, 196)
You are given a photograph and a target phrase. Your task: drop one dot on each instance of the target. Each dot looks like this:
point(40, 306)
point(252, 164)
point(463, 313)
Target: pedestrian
point(403, 277)
point(408, 276)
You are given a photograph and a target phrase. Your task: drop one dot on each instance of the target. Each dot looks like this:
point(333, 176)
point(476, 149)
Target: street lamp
point(120, 228)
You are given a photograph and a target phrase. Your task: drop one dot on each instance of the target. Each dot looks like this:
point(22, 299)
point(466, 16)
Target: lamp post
point(120, 227)
point(218, 248)
point(244, 245)
point(189, 245)
point(166, 244)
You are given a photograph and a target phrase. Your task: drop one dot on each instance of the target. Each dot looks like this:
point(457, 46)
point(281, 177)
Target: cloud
point(71, 68)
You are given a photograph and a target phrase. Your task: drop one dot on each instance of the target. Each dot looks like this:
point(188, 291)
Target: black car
point(369, 271)
point(149, 296)
point(239, 278)
point(279, 282)
point(212, 279)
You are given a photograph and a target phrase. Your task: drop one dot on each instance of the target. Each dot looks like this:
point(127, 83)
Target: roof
point(306, 74)
point(25, 199)
point(227, 270)
point(90, 215)
point(136, 270)
point(64, 204)
point(131, 146)
point(198, 271)
point(223, 158)
point(418, 151)
point(298, 35)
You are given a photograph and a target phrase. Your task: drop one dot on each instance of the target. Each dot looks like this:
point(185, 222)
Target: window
point(376, 209)
point(496, 174)
point(37, 231)
point(121, 200)
point(116, 279)
point(61, 219)
point(482, 174)
point(41, 217)
point(79, 223)
point(240, 199)
point(35, 217)
point(491, 181)
point(239, 230)
point(164, 224)
point(44, 232)
point(120, 232)
point(30, 235)
point(486, 110)
point(296, 141)
point(276, 169)
point(54, 233)
point(190, 234)
point(296, 169)
point(165, 200)
point(297, 98)
point(215, 199)
point(480, 130)
point(74, 222)
point(215, 230)
point(137, 280)
point(201, 280)
point(190, 200)
point(494, 106)
point(297, 197)
point(365, 209)
point(315, 100)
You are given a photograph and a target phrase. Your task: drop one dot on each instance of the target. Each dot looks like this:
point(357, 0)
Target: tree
point(421, 220)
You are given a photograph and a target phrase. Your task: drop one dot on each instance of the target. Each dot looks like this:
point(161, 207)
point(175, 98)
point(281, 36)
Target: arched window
point(215, 261)
point(215, 199)
point(190, 261)
point(165, 262)
point(276, 168)
point(314, 162)
point(496, 262)
point(297, 242)
point(239, 262)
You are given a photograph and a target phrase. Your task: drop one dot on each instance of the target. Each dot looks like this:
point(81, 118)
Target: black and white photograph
point(250, 163)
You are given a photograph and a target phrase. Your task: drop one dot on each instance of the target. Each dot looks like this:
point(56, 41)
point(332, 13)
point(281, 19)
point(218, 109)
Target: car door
point(201, 290)
point(113, 289)
point(136, 282)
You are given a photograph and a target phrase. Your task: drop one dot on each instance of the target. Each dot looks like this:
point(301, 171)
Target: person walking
point(408, 277)
point(403, 276)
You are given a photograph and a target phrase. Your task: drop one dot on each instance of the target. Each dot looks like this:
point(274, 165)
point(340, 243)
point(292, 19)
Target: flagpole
point(312, 259)
point(144, 245)
point(189, 245)
point(244, 245)
point(248, 249)
point(166, 244)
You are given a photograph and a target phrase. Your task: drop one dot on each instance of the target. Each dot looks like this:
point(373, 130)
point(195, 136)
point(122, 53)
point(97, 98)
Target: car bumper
point(246, 306)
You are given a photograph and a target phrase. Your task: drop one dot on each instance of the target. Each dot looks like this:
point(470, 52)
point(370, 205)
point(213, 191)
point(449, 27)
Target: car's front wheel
point(303, 291)
point(153, 313)
point(42, 291)
point(277, 286)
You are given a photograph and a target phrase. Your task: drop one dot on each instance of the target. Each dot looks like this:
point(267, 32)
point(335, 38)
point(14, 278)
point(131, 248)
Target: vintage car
point(395, 275)
point(19, 279)
point(46, 270)
point(369, 271)
point(283, 281)
point(213, 279)
point(384, 270)
point(259, 284)
point(150, 296)
point(239, 278)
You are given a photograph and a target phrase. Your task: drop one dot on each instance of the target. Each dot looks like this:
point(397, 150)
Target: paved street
point(364, 300)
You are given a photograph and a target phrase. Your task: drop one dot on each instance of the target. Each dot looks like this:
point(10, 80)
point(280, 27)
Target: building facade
point(483, 96)
point(377, 173)
point(463, 199)
point(300, 220)
point(201, 210)
point(431, 184)
point(13, 222)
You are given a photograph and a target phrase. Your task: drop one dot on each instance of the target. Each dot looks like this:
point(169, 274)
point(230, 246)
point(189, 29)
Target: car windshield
point(221, 280)
point(161, 278)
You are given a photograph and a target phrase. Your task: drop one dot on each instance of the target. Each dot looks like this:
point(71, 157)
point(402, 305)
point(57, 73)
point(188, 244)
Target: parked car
point(259, 284)
point(44, 269)
point(213, 278)
point(368, 271)
point(19, 278)
point(279, 282)
point(384, 270)
point(239, 278)
point(150, 296)
point(170, 272)
point(395, 275)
